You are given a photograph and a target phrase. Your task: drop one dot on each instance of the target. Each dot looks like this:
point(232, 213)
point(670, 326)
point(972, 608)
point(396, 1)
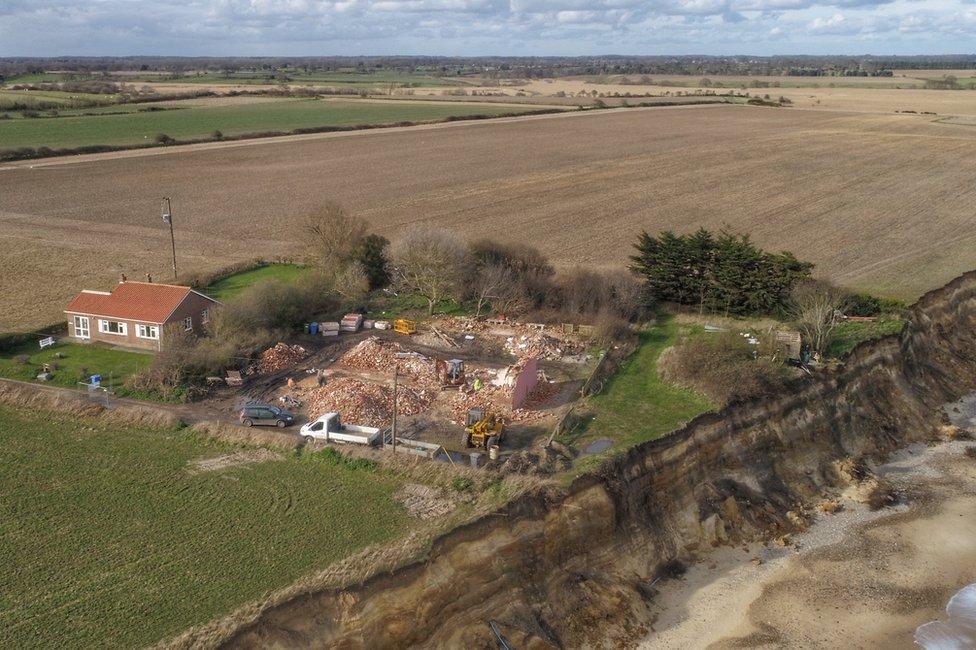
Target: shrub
point(162, 138)
point(862, 304)
point(520, 274)
point(585, 291)
point(723, 367)
point(333, 456)
point(22, 359)
point(371, 255)
point(462, 484)
point(610, 328)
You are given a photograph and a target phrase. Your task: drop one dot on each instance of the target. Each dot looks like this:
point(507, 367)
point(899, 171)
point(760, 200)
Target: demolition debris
point(365, 403)
point(281, 356)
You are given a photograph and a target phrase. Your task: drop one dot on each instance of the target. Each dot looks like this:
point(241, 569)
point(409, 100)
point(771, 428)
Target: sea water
point(958, 630)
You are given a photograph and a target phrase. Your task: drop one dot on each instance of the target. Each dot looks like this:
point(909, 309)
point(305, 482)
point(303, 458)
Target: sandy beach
point(855, 579)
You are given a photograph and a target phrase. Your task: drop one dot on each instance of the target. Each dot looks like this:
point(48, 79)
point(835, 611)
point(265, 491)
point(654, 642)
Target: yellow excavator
point(483, 429)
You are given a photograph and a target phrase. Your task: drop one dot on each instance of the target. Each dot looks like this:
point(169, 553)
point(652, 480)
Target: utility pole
point(396, 381)
point(168, 219)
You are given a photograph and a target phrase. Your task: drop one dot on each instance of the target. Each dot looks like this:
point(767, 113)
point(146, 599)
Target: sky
point(484, 27)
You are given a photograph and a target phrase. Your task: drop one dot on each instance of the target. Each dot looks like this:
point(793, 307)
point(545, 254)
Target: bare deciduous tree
point(489, 284)
point(815, 307)
point(429, 262)
point(332, 235)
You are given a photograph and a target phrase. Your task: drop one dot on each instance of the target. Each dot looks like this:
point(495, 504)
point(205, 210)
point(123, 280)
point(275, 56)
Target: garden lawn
point(77, 363)
point(232, 285)
point(111, 542)
point(201, 121)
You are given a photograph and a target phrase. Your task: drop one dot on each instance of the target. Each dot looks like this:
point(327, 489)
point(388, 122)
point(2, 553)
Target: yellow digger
point(483, 429)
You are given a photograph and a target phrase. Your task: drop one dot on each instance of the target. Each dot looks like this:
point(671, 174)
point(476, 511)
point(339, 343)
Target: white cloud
point(227, 27)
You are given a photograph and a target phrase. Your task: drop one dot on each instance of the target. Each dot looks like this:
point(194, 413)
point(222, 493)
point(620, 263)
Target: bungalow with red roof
point(133, 314)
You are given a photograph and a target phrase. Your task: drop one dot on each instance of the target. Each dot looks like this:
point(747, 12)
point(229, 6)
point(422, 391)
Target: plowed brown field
point(882, 202)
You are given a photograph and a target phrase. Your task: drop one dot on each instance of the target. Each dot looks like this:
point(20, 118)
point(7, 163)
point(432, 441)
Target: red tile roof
point(140, 301)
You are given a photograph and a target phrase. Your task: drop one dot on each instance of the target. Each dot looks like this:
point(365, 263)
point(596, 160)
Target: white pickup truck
point(331, 429)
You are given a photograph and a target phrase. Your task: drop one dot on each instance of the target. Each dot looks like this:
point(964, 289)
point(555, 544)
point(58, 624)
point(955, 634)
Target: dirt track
point(875, 200)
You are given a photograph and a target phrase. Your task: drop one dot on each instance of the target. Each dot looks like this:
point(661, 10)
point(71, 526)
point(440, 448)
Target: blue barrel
point(96, 380)
point(313, 329)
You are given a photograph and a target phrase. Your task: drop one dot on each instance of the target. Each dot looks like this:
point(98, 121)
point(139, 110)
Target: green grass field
point(636, 405)
point(110, 542)
point(202, 121)
point(233, 284)
point(300, 77)
point(37, 77)
point(850, 333)
point(45, 99)
point(78, 362)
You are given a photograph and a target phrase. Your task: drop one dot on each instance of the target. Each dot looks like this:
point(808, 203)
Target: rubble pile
point(281, 356)
point(490, 398)
point(365, 403)
point(540, 345)
point(542, 393)
point(521, 339)
point(376, 354)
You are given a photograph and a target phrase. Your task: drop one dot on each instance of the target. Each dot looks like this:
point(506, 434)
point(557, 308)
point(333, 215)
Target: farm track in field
point(878, 201)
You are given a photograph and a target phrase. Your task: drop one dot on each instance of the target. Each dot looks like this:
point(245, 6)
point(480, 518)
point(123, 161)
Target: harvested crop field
point(879, 202)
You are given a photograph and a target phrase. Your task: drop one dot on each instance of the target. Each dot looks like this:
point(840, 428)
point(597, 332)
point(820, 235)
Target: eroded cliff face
point(574, 569)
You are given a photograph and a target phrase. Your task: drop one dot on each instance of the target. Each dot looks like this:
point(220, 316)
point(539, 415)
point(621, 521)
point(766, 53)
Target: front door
point(82, 330)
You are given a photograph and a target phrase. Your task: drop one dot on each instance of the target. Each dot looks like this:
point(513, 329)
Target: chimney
point(149, 278)
point(122, 279)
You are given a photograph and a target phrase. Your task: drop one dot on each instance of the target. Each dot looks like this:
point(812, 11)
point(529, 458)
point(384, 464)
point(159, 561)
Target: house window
point(147, 331)
point(112, 327)
point(82, 325)
point(188, 323)
point(205, 316)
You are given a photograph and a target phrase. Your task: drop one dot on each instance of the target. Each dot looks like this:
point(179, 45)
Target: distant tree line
point(500, 66)
point(724, 272)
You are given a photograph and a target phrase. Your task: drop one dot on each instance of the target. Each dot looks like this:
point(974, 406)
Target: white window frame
point(204, 316)
point(147, 331)
point(188, 323)
point(103, 325)
point(82, 327)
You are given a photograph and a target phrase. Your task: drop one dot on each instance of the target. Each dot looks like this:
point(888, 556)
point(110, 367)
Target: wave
point(958, 631)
